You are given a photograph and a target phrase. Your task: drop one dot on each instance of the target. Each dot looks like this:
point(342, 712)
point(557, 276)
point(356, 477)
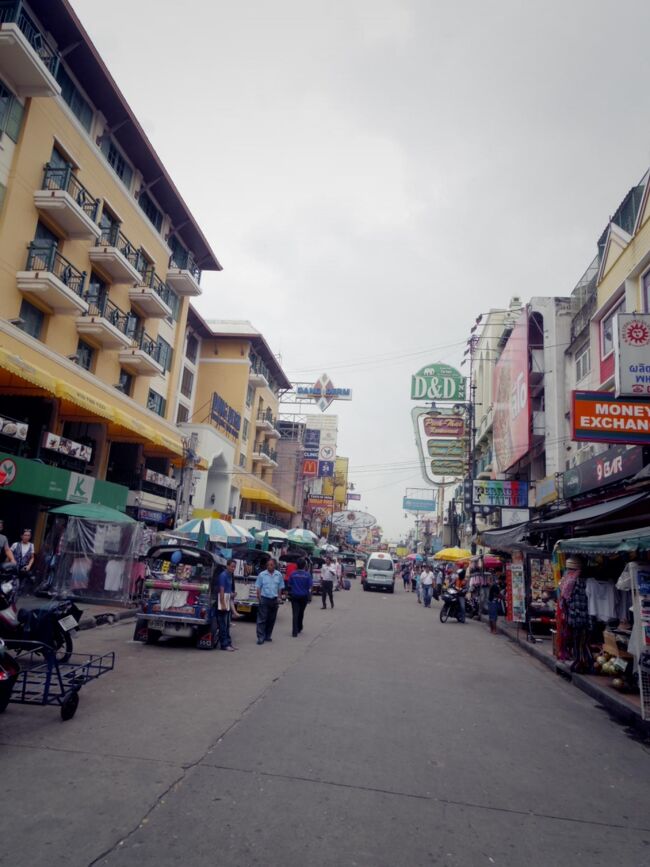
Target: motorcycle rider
point(461, 585)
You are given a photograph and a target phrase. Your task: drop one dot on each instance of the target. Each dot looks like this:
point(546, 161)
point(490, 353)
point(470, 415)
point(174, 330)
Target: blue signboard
point(325, 468)
point(224, 416)
point(410, 504)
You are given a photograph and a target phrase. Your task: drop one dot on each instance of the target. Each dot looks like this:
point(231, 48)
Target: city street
point(378, 737)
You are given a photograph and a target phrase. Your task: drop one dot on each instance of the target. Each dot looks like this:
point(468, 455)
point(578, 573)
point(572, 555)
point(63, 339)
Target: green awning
point(93, 512)
point(626, 542)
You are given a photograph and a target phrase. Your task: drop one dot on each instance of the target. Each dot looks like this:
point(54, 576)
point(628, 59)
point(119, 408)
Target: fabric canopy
point(18, 366)
point(591, 512)
point(627, 542)
point(93, 512)
point(260, 496)
point(503, 539)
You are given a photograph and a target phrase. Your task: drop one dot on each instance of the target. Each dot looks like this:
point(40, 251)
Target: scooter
point(51, 624)
point(451, 604)
point(9, 671)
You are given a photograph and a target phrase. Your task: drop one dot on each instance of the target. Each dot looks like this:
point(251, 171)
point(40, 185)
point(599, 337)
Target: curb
point(106, 619)
point(612, 704)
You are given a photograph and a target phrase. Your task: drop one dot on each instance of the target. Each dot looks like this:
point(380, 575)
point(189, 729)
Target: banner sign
point(17, 430)
point(325, 469)
point(632, 354)
point(320, 502)
point(440, 448)
point(508, 494)
point(511, 426)
point(514, 516)
point(160, 479)
point(447, 424)
point(597, 416)
point(440, 439)
point(546, 491)
point(322, 392)
point(438, 382)
point(354, 496)
point(612, 466)
point(310, 468)
point(351, 519)
point(518, 590)
point(224, 416)
point(63, 446)
point(448, 467)
point(409, 504)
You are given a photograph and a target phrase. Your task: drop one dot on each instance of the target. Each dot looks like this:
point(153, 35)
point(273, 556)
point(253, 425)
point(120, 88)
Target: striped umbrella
point(246, 534)
point(300, 535)
point(215, 529)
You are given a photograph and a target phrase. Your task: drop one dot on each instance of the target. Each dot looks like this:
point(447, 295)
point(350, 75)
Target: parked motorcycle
point(9, 671)
point(52, 624)
point(451, 604)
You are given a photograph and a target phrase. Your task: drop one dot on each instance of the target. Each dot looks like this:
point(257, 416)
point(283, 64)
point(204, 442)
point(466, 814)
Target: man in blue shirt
point(269, 585)
point(300, 582)
point(225, 584)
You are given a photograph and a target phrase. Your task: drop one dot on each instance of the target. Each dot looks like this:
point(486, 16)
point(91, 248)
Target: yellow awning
point(260, 496)
point(86, 401)
point(17, 366)
point(133, 424)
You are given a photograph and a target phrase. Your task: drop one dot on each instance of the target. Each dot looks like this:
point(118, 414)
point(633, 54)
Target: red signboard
point(444, 426)
point(511, 425)
point(597, 416)
point(310, 468)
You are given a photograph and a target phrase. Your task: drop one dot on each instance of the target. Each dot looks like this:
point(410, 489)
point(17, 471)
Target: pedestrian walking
point(300, 584)
point(327, 579)
point(5, 551)
point(461, 585)
point(269, 585)
point(426, 586)
point(414, 578)
point(338, 565)
point(24, 554)
point(437, 592)
point(225, 584)
point(406, 577)
point(494, 604)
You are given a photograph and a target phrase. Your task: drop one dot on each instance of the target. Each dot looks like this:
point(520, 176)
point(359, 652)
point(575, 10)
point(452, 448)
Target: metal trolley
point(44, 680)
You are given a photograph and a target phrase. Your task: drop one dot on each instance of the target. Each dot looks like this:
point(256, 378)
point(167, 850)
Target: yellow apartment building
point(230, 399)
point(99, 256)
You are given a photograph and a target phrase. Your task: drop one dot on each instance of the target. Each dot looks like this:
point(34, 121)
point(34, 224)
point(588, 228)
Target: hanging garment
point(173, 599)
point(602, 599)
point(578, 607)
point(114, 576)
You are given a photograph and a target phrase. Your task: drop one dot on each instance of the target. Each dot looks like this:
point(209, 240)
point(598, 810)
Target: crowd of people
point(21, 553)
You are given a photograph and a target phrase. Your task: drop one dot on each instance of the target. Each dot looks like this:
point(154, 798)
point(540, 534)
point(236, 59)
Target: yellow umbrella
point(453, 554)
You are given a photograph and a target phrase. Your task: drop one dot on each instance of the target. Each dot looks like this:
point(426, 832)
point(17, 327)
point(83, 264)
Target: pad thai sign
point(600, 417)
point(438, 382)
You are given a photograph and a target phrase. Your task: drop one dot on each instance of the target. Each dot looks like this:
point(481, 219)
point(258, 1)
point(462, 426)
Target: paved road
point(379, 737)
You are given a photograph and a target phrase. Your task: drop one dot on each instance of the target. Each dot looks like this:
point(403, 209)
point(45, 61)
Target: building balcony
point(117, 257)
point(184, 277)
point(264, 421)
point(142, 356)
point(256, 376)
point(539, 424)
point(153, 298)
point(28, 63)
point(536, 373)
point(51, 282)
point(105, 325)
point(68, 204)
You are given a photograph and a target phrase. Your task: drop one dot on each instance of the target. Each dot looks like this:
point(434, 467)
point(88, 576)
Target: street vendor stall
point(604, 608)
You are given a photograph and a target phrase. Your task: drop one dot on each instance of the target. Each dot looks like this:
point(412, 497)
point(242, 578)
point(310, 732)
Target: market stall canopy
point(628, 542)
point(93, 512)
point(273, 535)
point(302, 537)
point(216, 530)
point(501, 540)
point(453, 554)
point(590, 513)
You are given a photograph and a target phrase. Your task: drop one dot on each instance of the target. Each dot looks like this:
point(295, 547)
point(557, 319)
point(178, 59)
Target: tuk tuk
point(180, 595)
point(348, 565)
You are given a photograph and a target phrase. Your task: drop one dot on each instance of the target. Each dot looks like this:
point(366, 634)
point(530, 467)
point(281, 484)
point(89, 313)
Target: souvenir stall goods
point(604, 607)
point(98, 557)
point(482, 572)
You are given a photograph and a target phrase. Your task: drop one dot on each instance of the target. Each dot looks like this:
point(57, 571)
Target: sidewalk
point(623, 707)
point(93, 614)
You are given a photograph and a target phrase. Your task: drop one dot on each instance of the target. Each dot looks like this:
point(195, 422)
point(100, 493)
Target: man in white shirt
point(327, 579)
point(426, 585)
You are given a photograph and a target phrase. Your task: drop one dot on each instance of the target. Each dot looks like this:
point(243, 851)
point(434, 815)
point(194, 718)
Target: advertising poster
point(518, 590)
point(599, 417)
point(511, 427)
point(509, 592)
point(508, 494)
point(632, 354)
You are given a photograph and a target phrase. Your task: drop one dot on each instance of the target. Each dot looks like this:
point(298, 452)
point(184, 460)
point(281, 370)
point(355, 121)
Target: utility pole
point(184, 491)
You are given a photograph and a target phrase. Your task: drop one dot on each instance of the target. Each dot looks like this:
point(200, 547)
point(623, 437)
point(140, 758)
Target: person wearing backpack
point(24, 553)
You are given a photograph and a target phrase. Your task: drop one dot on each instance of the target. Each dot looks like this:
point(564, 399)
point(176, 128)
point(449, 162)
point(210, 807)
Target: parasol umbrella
point(417, 557)
point(273, 535)
point(246, 534)
point(302, 537)
point(93, 512)
point(453, 555)
point(202, 538)
point(215, 529)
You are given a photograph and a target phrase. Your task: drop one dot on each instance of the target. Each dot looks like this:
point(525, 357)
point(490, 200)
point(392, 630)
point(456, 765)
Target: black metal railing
point(151, 279)
point(12, 12)
point(584, 313)
point(105, 308)
point(46, 257)
point(185, 263)
point(258, 367)
point(113, 237)
point(266, 415)
point(148, 344)
point(64, 179)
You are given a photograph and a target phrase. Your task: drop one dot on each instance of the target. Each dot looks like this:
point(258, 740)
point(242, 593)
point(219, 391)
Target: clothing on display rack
point(601, 596)
point(114, 576)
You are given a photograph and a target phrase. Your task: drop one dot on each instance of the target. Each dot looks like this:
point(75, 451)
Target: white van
point(380, 572)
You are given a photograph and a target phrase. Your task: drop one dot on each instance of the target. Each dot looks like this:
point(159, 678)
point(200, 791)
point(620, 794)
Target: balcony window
point(125, 383)
point(151, 210)
point(607, 329)
point(85, 355)
point(71, 94)
point(156, 402)
point(187, 382)
point(179, 253)
point(583, 362)
point(182, 414)
point(242, 460)
point(97, 292)
point(165, 353)
point(250, 391)
point(11, 113)
point(33, 319)
point(117, 161)
point(245, 429)
point(192, 350)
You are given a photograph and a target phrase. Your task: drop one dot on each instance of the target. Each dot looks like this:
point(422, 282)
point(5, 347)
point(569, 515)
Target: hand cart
point(44, 680)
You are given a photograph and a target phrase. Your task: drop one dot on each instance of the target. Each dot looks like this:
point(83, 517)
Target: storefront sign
point(444, 424)
point(325, 469)
point(518, 591)
point(508, 494)
point(310, 468)
point(546, 491)
point(24, 476)
point(440, 448)
point(600, 417)
point(511, 426)
point(351, 519)
point(632, 354)
point(612, 466)
point(448, 467)
point(320, 502)
point(224, 416)
point(17, 430)
point(440, 438)
point(410, 504)
point(322, 392)
point(514, 516)
point(153, 517)
point(354, 496)
point(160, 479)
point(67, 447)
point(438, 382)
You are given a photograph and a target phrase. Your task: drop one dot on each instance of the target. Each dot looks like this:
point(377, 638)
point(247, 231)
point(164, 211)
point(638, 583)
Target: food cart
point(180, 595)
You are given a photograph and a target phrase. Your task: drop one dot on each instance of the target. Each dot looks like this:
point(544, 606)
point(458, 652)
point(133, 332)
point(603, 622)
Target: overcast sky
point(372, 174)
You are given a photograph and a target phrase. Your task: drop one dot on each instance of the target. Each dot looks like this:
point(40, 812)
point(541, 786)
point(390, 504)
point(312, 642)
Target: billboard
point(597, 416)
point(440, 436)
point(511, 426)
point(438, 382)
point(632, 354)
point(612, 466)
point(410, 504)
point(353, 520)
point(509, 494)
